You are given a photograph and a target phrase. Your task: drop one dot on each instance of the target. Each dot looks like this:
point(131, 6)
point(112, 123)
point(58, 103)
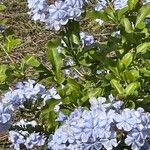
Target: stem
point(7, 53)
point(71, 48)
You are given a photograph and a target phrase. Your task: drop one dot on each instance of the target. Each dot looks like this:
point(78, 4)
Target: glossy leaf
point(131, 88)
point(56, 60)
point(117, 86)
point(142, 48)
point(127, 25)
point(143, 12)
point(132, 4)
point(127, 59)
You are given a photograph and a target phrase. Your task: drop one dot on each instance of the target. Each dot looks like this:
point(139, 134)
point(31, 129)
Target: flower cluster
point(100, 126)
point(57, 14)
point(117, 4)
point(137, 124)
point(27, 91)
point(38, 9)
point(23, 138)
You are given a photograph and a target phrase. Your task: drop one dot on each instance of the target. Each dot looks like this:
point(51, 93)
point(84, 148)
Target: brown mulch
point(4, 144)
point(33, 35)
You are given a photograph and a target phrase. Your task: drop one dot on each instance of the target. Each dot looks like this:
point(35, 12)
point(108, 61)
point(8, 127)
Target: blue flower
point(24, 91)
point(126, 120)
point(145, 146)
point(92, 145)
point(14, 98)
point(140, 131)
point(84, 129)
point(32, 90)
point(61, 116)
point(2, 28)
point(86, 39)
point(28, 91)
point(58, 12)
point(147, 20)
point(5, 118)
point(51, 93)
point(98, 127)
point(119, 4)
point(116, 104)
point(100, 5)
point(35, 139)
point(135, 145)
point(38, 9)
point(16, 139)
point(74, 8)
point(109, 143)
point(99, 104)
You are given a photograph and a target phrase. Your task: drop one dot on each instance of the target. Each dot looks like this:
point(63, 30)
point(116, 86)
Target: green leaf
point(95, 14)
point(31, 60)
point(121, 12)
point(75, 39)
point(2, 7)
point(50, 104)
point(131, 104)
point(127, 59)
point(53, 43)
point(129, 77)
point(115, 84)
point(132, 75)
point(74, 85)
point(115, 71)
point(3, 20)
point(56, 60)
point(95, 92)
point(145, 72)
point(3, 76)
point(131, 88)
point(142, 48)
point(132, 4)
point(12, 42)
point(143, 12)
point(127, 25)
point(135, 74)
point(111, 15)
point(74, 90)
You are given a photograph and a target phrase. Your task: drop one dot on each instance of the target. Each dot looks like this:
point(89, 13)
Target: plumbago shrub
point(98, 94)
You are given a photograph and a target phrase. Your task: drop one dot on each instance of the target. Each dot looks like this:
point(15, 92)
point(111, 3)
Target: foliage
point(81, 68)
